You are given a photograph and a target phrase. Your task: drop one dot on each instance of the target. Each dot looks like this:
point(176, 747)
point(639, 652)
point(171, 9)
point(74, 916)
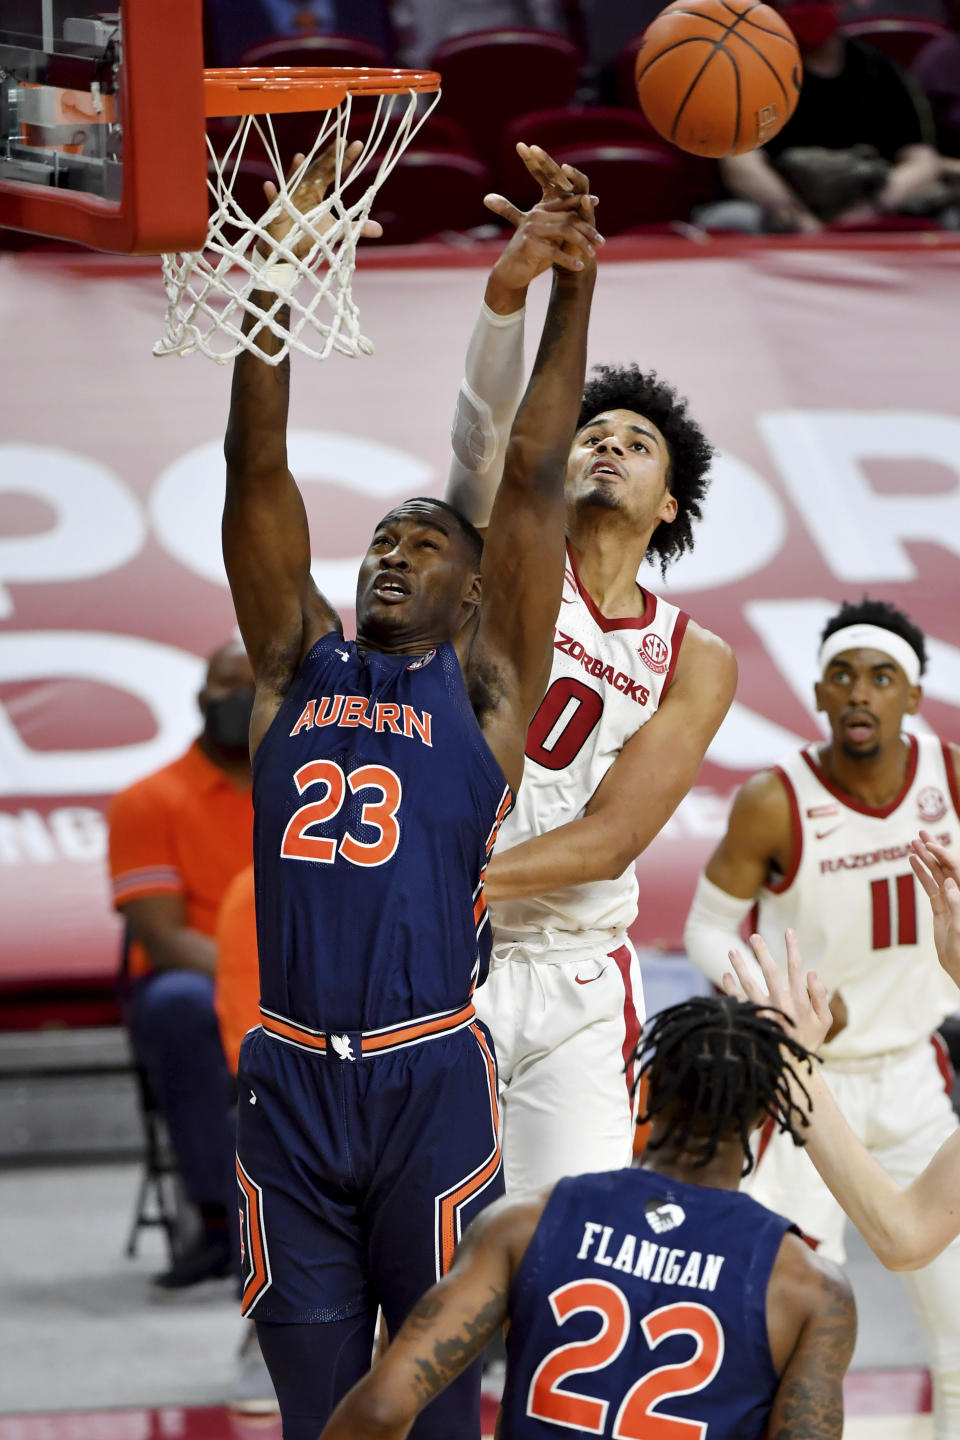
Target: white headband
point(872, 637)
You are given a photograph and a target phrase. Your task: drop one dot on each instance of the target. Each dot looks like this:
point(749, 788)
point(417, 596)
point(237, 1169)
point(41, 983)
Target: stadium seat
point(902, 37)
point(160, 1202)
point(574, 125)
point(492, 76)
point(431, 192)
point(316, 50)
point(625, 67)
point(642, 184)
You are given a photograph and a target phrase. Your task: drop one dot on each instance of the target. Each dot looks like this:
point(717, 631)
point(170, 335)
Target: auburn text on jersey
point(349, 711)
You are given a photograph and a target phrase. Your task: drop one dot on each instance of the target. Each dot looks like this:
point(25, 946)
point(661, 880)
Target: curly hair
point(883, 614)
point(627, 387)
point(715, 1064)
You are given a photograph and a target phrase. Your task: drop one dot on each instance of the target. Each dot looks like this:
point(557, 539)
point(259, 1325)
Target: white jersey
point(861, 918)
point(608, 678)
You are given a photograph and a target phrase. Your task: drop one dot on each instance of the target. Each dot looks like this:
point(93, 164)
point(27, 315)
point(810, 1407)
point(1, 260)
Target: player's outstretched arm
point(758, 840)
point(639, 792)
point(493, 382)
point(266, 541)
point(813, 1297)
point(507, 661)
point(450, 1326)
point(905, 1229)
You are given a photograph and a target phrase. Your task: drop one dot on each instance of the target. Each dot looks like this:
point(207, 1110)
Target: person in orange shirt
point(237, 993)
point(177, 839)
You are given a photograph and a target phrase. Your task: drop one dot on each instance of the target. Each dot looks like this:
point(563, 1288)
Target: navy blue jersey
point(376, 804)
point(641, 1297)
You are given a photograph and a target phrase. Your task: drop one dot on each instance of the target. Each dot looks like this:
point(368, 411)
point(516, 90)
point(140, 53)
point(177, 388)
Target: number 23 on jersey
point(300, 840)
point(636, 1418)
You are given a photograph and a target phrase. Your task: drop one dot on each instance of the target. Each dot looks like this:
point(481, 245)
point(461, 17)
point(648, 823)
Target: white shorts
point(898, 1106)
point(565, 1023)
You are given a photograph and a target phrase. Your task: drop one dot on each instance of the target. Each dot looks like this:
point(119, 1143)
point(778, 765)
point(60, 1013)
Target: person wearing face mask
point(177, 839)
point(859, 145)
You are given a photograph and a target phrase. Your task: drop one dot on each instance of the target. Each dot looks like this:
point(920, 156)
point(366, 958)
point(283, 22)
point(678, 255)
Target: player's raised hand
point(559, 230)
point(801, 996)
point(310, 190)
point(938, 871)
point(557, 181)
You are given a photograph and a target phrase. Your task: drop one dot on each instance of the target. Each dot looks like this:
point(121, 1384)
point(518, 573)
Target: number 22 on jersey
point(301, 843)
point(636, 1418)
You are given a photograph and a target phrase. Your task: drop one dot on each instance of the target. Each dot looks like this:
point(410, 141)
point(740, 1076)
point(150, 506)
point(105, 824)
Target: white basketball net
point(209, 292)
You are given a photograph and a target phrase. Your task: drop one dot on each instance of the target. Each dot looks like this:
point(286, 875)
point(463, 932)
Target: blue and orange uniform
point(368, 1126)
point(641, 1300)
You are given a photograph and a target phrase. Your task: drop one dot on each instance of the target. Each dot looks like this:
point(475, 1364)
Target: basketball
point(718, 77)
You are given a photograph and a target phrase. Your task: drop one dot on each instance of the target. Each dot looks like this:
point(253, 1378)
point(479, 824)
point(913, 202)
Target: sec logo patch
point(655, 654)
point(931, 804)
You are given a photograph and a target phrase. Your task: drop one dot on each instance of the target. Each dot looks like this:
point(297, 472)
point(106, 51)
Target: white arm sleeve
point(487, 403)
point(713, 928)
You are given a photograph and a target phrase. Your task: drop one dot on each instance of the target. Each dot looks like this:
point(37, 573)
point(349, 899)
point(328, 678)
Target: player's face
point(417, 580)
point(865, 695)
point(620, 462)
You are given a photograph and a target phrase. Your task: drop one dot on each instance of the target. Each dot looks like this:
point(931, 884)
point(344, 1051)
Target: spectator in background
point(177, 839)
point(936, 71)
point(233, 26)
point(423, 24)
point(859, 145)
point(237, 991)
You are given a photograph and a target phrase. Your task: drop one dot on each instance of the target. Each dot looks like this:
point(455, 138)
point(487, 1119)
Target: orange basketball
point(718, 77)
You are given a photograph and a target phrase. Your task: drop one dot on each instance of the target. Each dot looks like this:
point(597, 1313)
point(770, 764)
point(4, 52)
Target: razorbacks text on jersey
point(607, 679)
point(852, 898)
point(376, 802)
point(642, 1300)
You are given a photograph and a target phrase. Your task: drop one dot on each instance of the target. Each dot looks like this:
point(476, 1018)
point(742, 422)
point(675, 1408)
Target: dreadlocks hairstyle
point(627, 387)
point(888, 617)
point(715, 1064)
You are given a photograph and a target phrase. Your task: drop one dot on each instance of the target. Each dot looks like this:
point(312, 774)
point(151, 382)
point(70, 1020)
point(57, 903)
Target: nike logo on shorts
point(590, 978)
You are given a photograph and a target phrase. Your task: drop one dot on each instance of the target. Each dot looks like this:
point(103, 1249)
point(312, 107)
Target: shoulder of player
point(815, 1287)
point(508, 1225)
point(706, 662)
point(763, 803)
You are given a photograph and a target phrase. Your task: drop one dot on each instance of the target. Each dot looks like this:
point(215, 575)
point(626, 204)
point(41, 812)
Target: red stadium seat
point(902, 37)
point(641, 184)
point(626, 65)
point(492, 76)
point(315, 50)
point(431, 192)
point(575, 125)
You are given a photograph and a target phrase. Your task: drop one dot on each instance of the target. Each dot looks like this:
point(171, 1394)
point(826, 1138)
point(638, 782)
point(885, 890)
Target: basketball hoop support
point(163, 204)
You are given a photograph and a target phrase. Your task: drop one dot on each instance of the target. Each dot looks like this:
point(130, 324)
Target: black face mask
point(227, 722)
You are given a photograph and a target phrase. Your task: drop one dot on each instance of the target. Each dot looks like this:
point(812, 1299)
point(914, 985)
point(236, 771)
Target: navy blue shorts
point(357, 1177)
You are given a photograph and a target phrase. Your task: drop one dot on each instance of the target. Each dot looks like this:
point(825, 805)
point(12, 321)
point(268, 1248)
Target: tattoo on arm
point(810, 1401)
point(451, 1353)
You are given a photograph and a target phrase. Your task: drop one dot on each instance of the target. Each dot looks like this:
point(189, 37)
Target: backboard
point(102, 123)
